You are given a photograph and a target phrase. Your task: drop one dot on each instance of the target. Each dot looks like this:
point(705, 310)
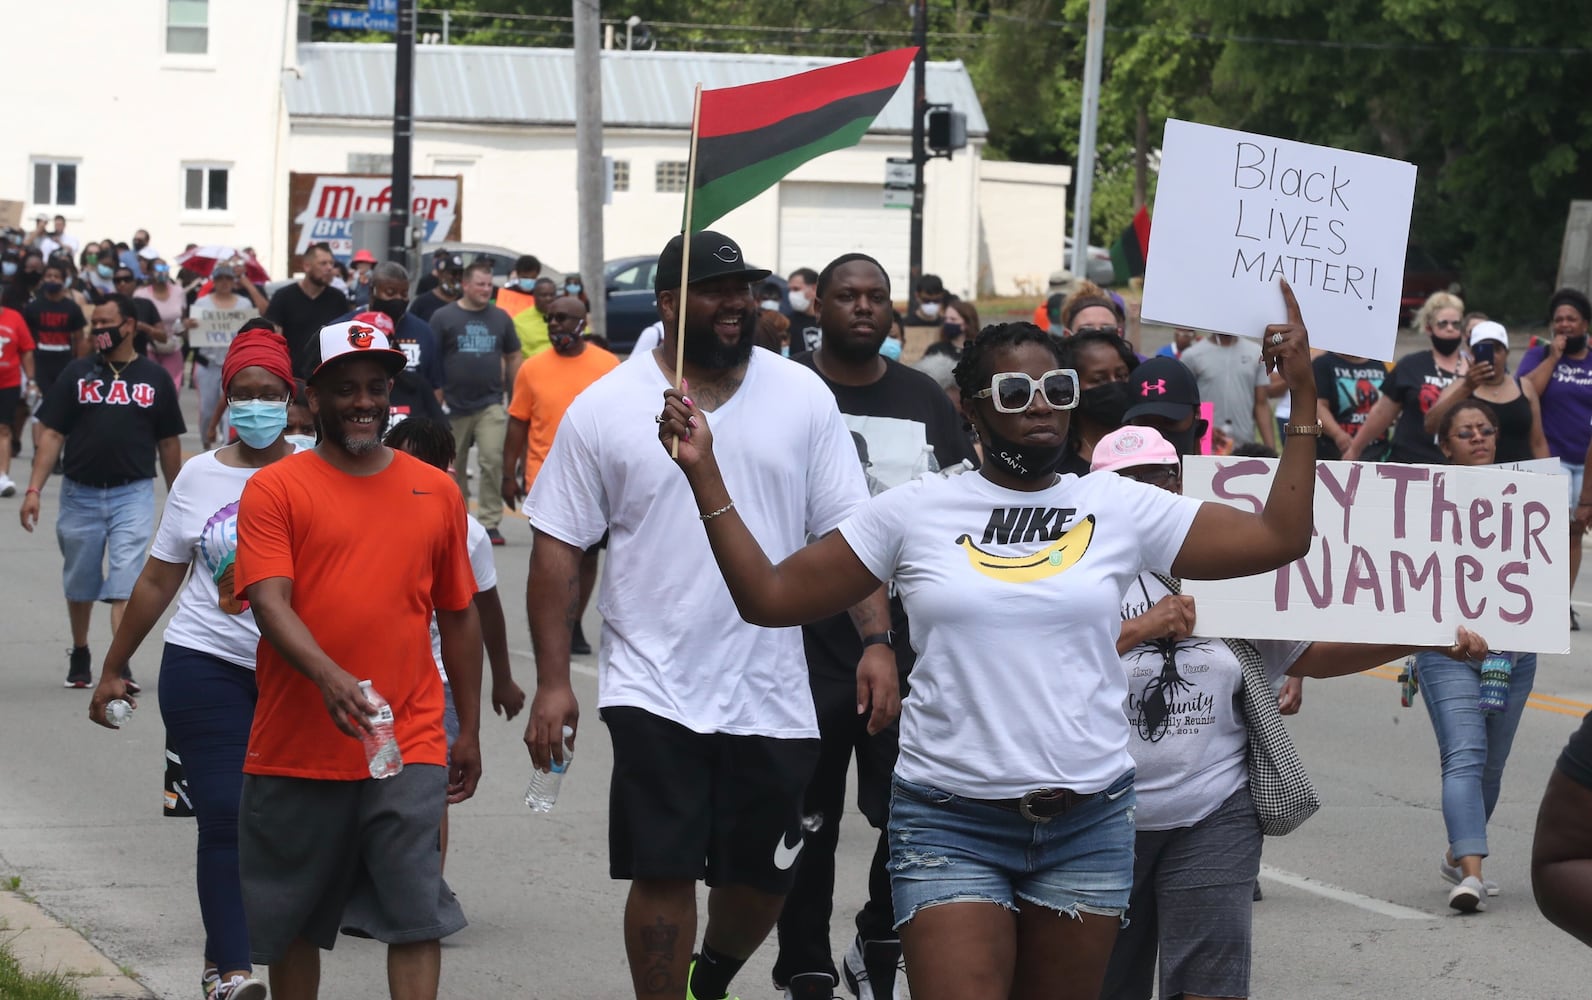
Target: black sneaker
point(495, 536)
point(578, 644)
point(133, 687)
point(811, 986)
point(79, 669)
point(870, 968)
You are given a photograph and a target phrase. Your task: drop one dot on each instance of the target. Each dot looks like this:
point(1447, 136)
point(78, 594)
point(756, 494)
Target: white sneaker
point(874, 974)
point(1453, 875)
point(8, 488)
point(238, 988)
point(1468, 896)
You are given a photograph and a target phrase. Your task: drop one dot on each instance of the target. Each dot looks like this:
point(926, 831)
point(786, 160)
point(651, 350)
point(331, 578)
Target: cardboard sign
point(1402, 554)
point(217, 327)
point(321, 208)
point(1234, 212)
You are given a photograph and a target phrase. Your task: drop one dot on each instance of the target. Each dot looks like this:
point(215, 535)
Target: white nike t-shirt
point(1014, 600)
point(672, 642)
point(485, 571)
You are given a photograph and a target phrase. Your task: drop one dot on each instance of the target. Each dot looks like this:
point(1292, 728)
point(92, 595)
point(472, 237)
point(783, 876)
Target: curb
point(44, 945)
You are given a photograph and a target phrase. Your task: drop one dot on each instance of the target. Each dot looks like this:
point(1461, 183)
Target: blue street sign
point(361, 20)
point(388, 8)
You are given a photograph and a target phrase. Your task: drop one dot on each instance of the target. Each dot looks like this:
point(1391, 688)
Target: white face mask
point(929, 309)
point(300, 441)
point(770, 305)
point(799, 301)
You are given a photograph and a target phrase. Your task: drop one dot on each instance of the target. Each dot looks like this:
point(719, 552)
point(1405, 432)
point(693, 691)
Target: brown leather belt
point(1043, 804)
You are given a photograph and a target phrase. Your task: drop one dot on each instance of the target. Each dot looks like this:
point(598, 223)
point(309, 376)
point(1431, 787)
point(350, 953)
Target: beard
point(335, 430)
point(704, 349)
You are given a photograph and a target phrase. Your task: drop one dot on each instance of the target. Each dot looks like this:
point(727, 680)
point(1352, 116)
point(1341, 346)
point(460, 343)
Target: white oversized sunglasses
point(1012, 392)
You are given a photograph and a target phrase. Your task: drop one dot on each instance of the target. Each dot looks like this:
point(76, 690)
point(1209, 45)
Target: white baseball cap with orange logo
point(342, 340)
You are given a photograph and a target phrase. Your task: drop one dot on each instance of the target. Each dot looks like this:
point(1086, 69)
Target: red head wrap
point(265, 348)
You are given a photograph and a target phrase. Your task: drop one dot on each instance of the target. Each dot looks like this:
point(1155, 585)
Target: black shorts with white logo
point(688, 805)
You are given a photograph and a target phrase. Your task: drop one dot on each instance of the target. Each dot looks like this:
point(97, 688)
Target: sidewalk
point(43, 944)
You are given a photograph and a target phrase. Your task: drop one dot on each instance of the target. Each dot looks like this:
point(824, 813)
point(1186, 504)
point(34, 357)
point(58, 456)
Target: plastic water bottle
point(1495, 671)
point(543, 790)
point(119, 712)
point(381, 746)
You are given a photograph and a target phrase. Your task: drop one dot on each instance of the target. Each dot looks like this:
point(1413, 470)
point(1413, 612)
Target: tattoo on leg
point(659, 942)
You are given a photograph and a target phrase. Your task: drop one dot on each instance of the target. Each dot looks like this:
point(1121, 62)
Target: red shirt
point(15, 340)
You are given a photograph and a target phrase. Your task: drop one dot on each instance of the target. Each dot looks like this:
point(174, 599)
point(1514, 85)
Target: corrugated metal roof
point(473, 83)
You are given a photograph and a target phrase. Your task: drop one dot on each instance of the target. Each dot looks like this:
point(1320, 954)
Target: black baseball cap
point(1162, 387)
point(713, 255)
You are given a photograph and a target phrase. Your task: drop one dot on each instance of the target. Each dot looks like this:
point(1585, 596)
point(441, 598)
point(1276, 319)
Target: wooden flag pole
point(685, 257)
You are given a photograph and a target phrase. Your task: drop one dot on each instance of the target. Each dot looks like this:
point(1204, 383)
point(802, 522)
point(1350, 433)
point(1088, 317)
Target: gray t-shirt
point(474, 344)
point(1228, 377)
point(1192, 761)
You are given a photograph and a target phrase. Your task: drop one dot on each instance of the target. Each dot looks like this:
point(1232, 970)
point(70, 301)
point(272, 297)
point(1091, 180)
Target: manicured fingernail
point(688, 402)
point(691, 421)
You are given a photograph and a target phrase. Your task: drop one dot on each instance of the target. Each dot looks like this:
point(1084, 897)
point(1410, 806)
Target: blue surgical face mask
point(300, 441)
point(105, 270)
point(572, 289)
point(8, 268)
point(784, 350)
point(891, 348)
point(527, 284)
point(259, 422)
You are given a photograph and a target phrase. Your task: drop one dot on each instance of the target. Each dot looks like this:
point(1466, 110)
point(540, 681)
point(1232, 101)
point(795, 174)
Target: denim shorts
point(945, 848)
point(95, 523)
point(1575, 472)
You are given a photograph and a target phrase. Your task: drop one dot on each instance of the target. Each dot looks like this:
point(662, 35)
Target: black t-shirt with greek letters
point(112, 425)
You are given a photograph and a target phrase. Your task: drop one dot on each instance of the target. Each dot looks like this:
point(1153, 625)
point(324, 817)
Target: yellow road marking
point(1541, 702)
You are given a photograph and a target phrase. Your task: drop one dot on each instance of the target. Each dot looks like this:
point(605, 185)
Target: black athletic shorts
point(9, 398)
point(688, 805)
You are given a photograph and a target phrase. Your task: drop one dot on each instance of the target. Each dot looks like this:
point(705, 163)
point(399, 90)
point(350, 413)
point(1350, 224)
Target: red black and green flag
point(1128, 253)
point(747, 138)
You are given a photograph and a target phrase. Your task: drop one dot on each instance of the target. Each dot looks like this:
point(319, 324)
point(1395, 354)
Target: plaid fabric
point(1281, 789)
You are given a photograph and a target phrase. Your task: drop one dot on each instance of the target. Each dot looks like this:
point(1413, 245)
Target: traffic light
point(947, 130)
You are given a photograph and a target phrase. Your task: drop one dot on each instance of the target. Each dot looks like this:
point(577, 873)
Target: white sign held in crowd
point(1234, 212)
point(217, 327)
point(1401, 554)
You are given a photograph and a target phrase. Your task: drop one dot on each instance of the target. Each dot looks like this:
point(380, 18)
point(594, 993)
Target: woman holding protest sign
point(1475, 707)
point(1194, 708)
point(1011, 832)
point(1484, 375)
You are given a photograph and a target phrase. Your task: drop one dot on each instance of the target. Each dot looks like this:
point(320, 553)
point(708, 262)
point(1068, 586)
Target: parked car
point(1100, 270)
point(502, 259)
point(1423, 275)
point(632, 306)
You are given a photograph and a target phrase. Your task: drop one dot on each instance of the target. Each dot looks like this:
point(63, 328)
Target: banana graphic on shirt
point(1057, 557)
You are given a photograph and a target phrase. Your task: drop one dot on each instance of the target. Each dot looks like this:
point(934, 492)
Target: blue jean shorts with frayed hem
point(946, 848)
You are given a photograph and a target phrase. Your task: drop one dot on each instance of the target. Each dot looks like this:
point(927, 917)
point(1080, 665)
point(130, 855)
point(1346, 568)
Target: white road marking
point(574, 665)
point(1372, 904)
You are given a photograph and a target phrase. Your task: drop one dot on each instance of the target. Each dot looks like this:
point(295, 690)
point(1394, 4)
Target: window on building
point(204, 187)
point(55, 182)
point(622, 175)
point(370, 163)
point(671, 176)
point(187, 27)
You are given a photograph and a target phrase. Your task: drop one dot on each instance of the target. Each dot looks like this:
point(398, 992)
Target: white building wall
point(1023, 225)
point(131, 115)
point(519, 190)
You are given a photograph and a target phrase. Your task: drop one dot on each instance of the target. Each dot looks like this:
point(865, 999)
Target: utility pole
point(920, 153)
point(589, 156)
point(403, 134)
point(1083, 174)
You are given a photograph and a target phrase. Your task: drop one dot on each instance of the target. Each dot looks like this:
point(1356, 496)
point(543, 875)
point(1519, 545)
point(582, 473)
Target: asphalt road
point(1353, 908)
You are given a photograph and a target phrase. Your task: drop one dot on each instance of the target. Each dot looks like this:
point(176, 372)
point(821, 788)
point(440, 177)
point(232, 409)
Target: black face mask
point(1105, 404)
point(1186, 442)
point(1446, 346)
point(108, 338)
point(1025, 461)
point(1575, 345)
point(394, 309)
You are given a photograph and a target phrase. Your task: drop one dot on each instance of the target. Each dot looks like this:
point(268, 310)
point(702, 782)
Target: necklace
point(116, 373)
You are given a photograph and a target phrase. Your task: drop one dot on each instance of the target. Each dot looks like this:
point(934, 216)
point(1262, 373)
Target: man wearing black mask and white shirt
point(114, 412)
point(904, 426)
point(302, 308)
point(805, 333)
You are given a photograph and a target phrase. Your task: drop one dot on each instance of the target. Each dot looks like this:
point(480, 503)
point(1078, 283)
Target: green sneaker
point(690, 973)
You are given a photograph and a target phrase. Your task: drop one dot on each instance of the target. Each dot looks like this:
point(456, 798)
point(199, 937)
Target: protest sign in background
point(217, 327)
point(1401, 554)
point(1236, 211)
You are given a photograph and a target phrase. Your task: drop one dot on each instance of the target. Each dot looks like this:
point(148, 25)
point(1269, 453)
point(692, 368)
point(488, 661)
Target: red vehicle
point(1423, 275)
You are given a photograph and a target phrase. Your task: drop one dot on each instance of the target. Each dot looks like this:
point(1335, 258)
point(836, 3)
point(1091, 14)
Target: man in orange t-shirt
point(545, 386)
point(343, 553)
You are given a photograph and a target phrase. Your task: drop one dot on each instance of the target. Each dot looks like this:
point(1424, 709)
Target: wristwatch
point(878, 639)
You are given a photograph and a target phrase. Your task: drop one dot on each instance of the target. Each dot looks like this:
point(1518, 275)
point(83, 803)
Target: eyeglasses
point(1466, 433)
point(1163, 475)
point(123, 278)
point(563, 318)
point(1444, 324)
point(264, 397)
point(1013, 392)
point(1093, 331)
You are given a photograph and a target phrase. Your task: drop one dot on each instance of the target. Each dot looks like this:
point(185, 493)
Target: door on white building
point(818, 222)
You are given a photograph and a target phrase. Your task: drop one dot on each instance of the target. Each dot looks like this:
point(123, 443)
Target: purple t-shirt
point(1566, 404)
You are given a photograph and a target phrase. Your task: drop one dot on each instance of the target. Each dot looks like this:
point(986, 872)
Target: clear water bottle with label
point(543, 790)
point(1495, 671)
point(119, 712)
point(381, 744)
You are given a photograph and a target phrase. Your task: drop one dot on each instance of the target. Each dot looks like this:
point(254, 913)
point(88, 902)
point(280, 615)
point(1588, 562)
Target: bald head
point(566, 320)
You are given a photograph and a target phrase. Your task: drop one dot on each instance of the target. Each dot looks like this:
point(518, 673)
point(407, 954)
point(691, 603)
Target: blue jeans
point(208, 707)
point(1473, 746)
point(96, 522)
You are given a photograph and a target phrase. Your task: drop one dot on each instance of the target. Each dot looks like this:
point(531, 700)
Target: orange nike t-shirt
point(543, 390)
point(369, 557)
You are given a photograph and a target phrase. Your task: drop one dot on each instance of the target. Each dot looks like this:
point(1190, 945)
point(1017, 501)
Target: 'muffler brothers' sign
point(1234, 212)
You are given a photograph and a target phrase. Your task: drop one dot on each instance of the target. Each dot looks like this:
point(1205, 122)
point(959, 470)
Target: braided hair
point(425, 439)
point(972, 373)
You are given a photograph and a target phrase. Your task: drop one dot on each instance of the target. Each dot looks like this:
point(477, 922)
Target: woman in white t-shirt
point(1197, 842)
point(207, 689)
point(1011, 816)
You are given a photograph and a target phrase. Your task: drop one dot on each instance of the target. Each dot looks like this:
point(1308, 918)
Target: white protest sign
point(217, 327)
point(1401, 554)
point(1234, 212)
point(1540, 466)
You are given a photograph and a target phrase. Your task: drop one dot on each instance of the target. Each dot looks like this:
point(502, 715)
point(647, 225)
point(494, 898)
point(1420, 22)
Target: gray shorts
point(315, 857)
point(1193, 901)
